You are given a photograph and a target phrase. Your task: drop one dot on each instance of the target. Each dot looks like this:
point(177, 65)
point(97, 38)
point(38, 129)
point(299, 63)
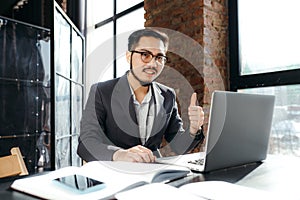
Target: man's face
point(147, 71)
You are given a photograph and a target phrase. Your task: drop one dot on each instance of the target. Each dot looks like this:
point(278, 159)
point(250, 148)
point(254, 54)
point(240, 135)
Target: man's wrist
point(197, 133)
point(117, 154)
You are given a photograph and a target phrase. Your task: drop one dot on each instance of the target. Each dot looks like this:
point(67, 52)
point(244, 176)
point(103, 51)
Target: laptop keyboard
point(199, 161)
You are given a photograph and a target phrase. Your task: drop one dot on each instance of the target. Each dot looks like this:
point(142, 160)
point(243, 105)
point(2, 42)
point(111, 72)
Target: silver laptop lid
point(239, 129)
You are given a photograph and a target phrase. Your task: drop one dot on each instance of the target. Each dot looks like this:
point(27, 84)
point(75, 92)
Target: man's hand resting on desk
point(134, 154)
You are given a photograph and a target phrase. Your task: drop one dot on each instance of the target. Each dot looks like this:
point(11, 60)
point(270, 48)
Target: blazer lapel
point(123, 109)
point(160, 112)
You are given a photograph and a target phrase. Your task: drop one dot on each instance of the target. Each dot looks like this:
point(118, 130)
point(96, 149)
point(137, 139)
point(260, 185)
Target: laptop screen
point(239, 129)
point(238, 132)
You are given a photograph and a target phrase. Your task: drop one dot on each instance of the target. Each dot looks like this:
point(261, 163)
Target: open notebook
point(115, 176)
point(238, 132)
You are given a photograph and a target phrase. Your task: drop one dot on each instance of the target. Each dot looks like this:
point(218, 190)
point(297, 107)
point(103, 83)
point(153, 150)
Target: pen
point(158, 152)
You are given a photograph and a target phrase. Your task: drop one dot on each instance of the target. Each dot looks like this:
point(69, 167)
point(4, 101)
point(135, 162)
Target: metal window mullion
point(115, 40)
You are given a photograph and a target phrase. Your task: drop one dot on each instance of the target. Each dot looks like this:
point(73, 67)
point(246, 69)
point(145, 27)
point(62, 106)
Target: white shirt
point(145, 113)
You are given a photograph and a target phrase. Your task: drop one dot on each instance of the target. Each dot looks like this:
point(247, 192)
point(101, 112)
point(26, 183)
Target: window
point(122, 5)
point(123, 31)
point(268, 41)
point(109, 26)
point(264, 58)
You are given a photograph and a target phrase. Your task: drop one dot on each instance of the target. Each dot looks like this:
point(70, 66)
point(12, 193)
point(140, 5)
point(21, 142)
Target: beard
point(143, 83)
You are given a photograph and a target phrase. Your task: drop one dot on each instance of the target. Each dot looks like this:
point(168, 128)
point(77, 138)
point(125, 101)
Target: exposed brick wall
point(206, 22)
point(215, 46)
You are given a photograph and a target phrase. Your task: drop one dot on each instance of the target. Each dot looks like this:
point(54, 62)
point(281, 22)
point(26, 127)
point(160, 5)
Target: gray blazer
point(109, 121)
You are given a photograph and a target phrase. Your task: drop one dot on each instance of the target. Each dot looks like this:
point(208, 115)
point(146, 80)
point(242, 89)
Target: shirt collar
point(146, 99)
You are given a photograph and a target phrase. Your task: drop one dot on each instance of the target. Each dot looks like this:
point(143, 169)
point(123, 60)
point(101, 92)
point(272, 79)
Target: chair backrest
point(13, 164)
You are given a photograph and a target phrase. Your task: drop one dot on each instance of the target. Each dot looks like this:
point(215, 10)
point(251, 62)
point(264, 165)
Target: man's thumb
point(193, 99)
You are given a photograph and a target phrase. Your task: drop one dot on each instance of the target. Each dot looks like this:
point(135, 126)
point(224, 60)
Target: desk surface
point(276, 174)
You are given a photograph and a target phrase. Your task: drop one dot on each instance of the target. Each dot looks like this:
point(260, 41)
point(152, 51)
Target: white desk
point(278, 174)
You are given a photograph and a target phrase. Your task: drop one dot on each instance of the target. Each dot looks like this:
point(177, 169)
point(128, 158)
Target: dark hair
point(135, 37)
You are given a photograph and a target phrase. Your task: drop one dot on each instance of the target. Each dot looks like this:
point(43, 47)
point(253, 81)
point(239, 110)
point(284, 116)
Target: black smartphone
point(79, 183)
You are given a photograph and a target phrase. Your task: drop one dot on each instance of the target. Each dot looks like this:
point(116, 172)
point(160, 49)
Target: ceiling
point(6, 6)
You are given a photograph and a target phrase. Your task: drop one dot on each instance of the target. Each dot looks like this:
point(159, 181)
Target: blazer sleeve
point(93, 144)
point(178, 138)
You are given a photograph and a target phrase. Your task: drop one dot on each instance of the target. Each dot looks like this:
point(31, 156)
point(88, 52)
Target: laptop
point(238, 133)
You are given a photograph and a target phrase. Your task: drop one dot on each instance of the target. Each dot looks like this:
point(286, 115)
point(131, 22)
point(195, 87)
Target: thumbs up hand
point(196, 115)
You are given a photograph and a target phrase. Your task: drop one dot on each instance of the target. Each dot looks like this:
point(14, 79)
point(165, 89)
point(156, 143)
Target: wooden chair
point(13, 164)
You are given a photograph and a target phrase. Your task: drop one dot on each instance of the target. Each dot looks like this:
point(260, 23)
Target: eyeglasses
point(147, 56)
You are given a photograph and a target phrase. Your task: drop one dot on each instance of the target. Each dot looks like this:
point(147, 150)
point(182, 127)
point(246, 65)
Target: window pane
point(77, 57)
point(77, 99)
point(62, 44)
point(268, 42)
point(285, 133)
point(124, 5)
point(100, 55)
point(62, 107)
point(124, 29)
point(62, 153)
point(100, 10)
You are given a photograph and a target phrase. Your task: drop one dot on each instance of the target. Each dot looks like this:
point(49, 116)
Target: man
point(126, 119)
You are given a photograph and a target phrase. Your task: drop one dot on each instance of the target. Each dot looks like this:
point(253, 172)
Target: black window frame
point(238, 81)
point(114, 19)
